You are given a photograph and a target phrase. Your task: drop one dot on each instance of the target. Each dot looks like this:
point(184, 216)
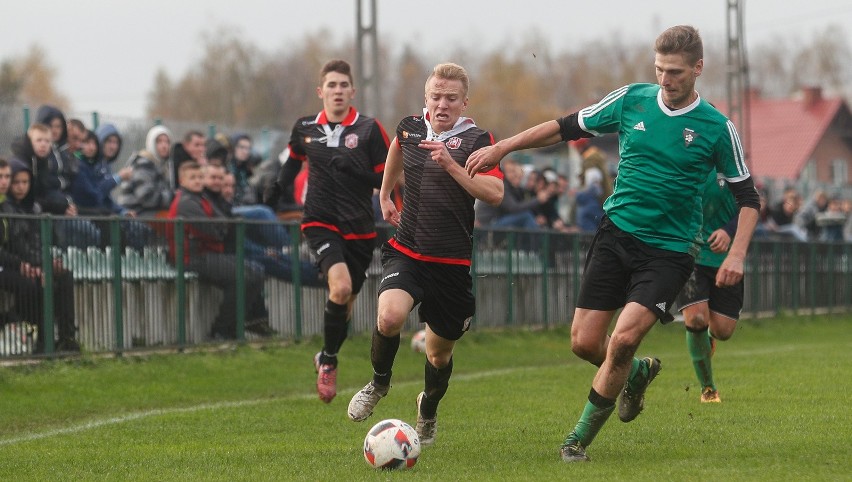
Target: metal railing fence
point(138, 293)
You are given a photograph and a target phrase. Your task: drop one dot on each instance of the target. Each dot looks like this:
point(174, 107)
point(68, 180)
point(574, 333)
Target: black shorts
point(444, 291)
point(329, 248)
point(701, 287)
point(620, 269)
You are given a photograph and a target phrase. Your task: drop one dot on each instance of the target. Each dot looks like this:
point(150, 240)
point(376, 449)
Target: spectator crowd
point(62, 168)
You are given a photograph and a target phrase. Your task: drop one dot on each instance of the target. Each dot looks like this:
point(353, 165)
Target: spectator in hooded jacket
point(62, 161)
point(93, 185)
point(150, 188)
point(590, 199)
point(21, 260)
point(242, 163)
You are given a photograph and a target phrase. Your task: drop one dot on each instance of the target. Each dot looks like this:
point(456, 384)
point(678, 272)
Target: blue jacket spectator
point(590, 200)
point(94, 182)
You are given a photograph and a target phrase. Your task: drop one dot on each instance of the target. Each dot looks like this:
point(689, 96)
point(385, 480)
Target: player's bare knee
point(390, 322)
point(439, 360)
point(722, 334)
point(722, 328)
point(592, 352)
point(340, 294)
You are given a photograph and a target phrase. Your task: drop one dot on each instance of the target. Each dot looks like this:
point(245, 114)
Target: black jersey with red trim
point(336, 200)
point(437, 213)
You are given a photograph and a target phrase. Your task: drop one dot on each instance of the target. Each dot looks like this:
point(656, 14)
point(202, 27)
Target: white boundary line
point(93, 424)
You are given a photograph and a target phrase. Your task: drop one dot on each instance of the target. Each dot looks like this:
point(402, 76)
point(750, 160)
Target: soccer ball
point(418, 342)
point(392, 444)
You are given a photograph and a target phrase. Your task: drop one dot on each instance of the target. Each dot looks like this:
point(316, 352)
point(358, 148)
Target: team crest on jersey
point(351, 141)
point(454, 142)
point(689, 137)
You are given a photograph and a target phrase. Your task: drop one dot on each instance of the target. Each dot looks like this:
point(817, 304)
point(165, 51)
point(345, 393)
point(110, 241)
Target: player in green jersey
point(643, 252)
point(711, 312)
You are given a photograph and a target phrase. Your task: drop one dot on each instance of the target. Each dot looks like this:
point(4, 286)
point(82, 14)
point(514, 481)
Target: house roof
point(785, 132)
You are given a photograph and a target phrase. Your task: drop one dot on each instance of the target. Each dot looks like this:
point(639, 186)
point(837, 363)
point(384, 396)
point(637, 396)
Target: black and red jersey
point(336, 200)
point(437, 215)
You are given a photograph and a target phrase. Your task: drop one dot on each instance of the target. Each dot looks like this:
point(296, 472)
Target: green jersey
point(719, 208)
point(666, 156)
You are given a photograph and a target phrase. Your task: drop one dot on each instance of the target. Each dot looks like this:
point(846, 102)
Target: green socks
point(698, 343)
point(595, 414)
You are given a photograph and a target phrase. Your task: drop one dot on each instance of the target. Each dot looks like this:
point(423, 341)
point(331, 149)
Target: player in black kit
point(346, 152)
point(427, 262)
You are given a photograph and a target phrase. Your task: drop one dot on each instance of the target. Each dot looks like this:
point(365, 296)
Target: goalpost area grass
point(251, 412)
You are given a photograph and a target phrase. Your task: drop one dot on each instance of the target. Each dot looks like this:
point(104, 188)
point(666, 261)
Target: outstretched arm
point(544, 134)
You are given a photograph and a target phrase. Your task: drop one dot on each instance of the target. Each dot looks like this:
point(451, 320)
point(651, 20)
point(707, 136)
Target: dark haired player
point(643, 252)
point(711, 312)
point(427, 262)
point(346, 151)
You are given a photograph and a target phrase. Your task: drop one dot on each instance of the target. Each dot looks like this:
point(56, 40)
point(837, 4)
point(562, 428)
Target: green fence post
point(115, 242)
point(26, 118)
point(295, 237)
point(96, 121)
point(847, 275)
point(211, 131)
point(240, 273)
point(831, 294)
point(754, 280)
point(794, 278)
point(575, 247)
point(46, 226)
point(776, 291)
point(181, 281)
point(510, 279)
point(545, 288)
point(812, 277)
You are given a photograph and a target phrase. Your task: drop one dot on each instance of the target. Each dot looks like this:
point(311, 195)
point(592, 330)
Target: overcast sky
point(107, 52)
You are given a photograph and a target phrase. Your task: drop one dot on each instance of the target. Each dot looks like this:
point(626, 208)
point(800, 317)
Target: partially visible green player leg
point(701, 351)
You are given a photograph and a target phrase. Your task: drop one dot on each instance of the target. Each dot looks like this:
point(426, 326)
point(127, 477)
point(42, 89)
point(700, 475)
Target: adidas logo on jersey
point(662, 306)
point(640, 126)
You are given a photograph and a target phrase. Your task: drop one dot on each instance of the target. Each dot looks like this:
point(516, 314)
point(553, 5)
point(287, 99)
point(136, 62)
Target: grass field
point(251, 413)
